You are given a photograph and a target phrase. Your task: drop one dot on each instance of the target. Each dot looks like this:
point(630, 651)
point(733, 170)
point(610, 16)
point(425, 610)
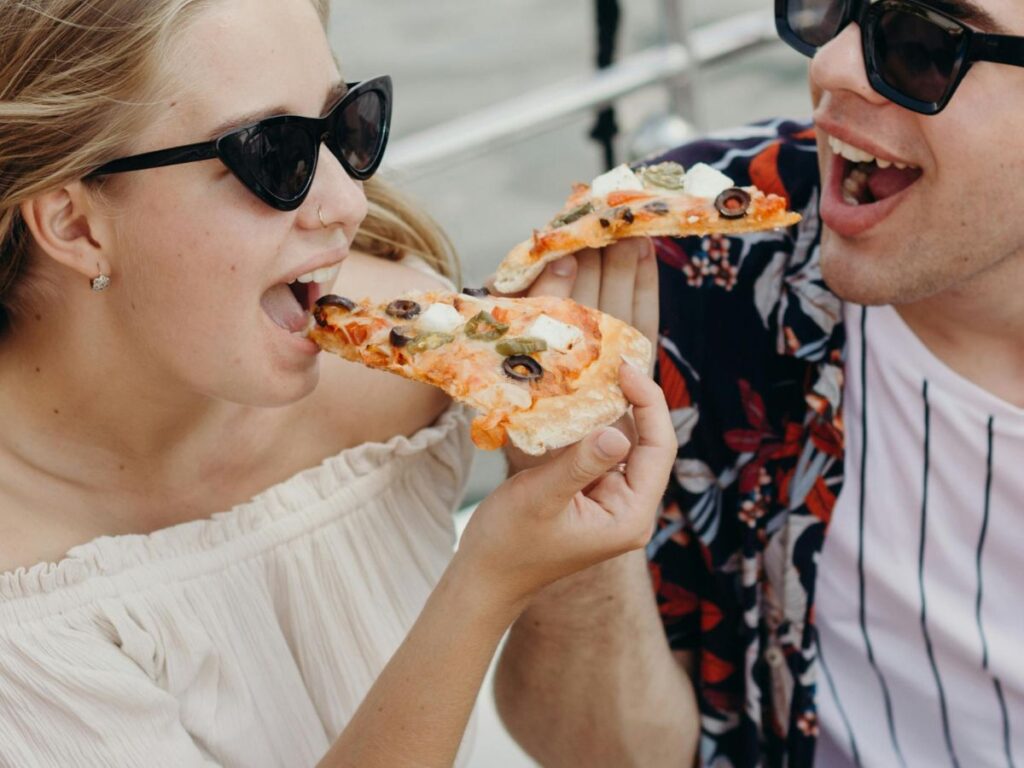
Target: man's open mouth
point(867, 179)
point(289, 304)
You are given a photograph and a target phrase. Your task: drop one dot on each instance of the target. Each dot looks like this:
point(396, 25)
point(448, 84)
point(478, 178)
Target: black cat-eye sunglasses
point(276, 158)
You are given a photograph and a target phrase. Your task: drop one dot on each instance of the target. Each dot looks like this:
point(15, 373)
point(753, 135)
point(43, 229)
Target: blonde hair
point(77, 80)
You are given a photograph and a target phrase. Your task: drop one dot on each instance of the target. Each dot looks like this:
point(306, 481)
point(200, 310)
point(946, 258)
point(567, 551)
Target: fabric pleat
point(245, 639)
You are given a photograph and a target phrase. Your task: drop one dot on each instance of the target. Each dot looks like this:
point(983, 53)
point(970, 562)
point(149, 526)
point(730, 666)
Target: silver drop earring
point(100, 283)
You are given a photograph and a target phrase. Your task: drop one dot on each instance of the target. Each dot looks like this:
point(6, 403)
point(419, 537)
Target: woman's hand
point(620, 280)
point(577, 509)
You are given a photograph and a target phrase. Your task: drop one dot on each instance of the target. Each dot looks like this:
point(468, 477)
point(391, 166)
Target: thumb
point(577, 467)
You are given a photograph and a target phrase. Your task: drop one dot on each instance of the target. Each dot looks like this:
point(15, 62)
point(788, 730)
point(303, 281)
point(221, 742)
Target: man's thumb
point(581, 465)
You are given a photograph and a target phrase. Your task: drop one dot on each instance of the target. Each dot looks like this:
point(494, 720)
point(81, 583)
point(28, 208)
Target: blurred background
point(495, 103)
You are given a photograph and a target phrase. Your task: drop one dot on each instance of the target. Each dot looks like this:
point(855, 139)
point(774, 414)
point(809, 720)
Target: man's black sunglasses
point(916, 56)
point(276, 158)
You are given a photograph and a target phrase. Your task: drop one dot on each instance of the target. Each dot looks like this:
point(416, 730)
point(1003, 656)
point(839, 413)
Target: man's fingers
point(654, 453)
point(587, 290)
point(557, 279)
point(618, 277)
point(645, 296)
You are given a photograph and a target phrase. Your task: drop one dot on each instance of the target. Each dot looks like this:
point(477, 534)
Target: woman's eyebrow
point(336, 92)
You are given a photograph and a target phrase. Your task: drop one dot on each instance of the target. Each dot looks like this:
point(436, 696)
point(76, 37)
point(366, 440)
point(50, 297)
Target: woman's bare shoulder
point(361, 405)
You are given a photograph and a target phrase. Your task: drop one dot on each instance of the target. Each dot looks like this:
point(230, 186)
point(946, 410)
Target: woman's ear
point(68, 229)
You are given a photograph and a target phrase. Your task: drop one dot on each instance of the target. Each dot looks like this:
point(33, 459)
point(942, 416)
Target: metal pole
point(682, 93)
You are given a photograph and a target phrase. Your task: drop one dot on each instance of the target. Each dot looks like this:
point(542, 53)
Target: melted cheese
point(439, 318)
point(559, 336)
point(704, 181)
point(618, 179)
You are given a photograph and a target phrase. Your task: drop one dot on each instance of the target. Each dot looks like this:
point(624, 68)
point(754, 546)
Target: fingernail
point(564, 266)
point(629, 363)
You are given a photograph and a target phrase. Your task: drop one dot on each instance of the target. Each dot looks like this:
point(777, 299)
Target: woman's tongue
point(284, 309)
point(886, 182)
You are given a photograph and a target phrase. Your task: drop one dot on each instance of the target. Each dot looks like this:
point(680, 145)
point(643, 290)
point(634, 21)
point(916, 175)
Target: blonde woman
point(216, 546)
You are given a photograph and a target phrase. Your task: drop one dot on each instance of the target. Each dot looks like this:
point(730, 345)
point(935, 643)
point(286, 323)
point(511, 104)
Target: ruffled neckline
point(338, 485)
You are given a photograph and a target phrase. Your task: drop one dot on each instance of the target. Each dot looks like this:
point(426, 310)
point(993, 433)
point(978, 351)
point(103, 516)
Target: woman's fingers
point(555, 483)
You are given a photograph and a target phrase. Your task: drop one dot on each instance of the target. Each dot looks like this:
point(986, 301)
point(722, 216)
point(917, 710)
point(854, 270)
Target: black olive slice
point(399, 337)
point(330, 300)
point(478, 292)
point(733, 203)
point(522, 368)
point(403, 309)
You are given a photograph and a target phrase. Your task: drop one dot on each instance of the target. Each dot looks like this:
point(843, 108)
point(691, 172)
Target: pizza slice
point(661, 199)
point(543, 372)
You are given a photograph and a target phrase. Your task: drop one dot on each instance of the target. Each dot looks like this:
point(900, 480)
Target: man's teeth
point(855, 186)
point(856, 155)
point(322, 275)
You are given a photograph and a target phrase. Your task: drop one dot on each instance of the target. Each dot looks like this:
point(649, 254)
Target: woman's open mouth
point(289, 304)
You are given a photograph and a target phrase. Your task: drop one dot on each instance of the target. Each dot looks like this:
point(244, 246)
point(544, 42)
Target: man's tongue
point(886, 182)
point(284, 309)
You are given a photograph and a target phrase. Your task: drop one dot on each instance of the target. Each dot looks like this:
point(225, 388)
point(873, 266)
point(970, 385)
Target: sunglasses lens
point(916, 54)
point(815, 22)
point(282, 158)
point(360, 130)
point(279, 157)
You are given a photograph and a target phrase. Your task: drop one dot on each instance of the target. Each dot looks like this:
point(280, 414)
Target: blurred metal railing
point(672, 64)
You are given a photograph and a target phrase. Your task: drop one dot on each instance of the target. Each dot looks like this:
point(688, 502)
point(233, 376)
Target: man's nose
point(839, 66)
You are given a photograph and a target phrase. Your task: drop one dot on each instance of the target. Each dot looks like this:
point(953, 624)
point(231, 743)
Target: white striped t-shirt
point(920, 590)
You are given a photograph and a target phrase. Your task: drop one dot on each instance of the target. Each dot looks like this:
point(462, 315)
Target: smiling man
point(837, 560)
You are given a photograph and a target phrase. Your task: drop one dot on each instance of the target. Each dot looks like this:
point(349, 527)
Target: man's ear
point(66, 227)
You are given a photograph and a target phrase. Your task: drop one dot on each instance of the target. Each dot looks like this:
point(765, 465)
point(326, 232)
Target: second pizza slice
point(656, 200)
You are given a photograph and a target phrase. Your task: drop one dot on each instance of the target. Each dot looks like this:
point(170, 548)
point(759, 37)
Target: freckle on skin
point(56, 411)
point(234, 268)
point(38, 369)
point(39, 317)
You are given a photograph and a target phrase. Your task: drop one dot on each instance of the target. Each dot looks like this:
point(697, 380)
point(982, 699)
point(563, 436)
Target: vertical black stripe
point(977, 608)
point(920, 582)
point(1006, 722)
point(839, 704)
point(860, 534)
point(981, 547)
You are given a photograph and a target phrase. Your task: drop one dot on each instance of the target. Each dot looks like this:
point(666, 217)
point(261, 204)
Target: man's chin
point(855, 279)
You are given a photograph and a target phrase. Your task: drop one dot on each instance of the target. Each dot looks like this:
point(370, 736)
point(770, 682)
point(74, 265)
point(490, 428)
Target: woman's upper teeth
point(322, 275)
point(856, 155)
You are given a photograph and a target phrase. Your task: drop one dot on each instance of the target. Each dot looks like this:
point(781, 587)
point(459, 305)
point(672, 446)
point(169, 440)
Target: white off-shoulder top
point(246, 639)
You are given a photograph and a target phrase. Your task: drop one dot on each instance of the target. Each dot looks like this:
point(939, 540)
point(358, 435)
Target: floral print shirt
point(750, 359)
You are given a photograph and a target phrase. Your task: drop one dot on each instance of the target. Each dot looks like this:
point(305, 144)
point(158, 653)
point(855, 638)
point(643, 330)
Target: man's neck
point(978, 329)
